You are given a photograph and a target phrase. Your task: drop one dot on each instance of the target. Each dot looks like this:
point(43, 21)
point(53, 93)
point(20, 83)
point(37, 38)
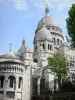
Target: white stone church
point(24, 73)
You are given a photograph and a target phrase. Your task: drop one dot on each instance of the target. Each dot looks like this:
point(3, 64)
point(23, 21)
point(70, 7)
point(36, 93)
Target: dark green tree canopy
point(70, 21)
point(68, 86)
point(59, 65)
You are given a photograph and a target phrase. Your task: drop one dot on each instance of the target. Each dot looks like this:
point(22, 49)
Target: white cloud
point(24, 4)
point(57, 4)
point(31, 14)
point(20, 4)
point(39, 3)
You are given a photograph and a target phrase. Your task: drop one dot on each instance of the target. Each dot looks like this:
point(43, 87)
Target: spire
point(47, 10)
point(10, 45)
point(23, 43)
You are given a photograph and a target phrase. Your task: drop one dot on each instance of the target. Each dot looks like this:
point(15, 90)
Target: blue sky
point(19, 18)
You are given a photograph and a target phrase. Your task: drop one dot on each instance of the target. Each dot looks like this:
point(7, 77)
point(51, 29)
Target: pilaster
point(38, 83)
point(16, 88)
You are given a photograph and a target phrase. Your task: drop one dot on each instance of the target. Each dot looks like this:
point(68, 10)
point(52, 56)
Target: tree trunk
point(54, 84)
point(59, 82)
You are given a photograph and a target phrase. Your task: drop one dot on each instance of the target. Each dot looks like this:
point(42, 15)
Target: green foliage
point(59, 65)
point(70, 21)
point(68, 86)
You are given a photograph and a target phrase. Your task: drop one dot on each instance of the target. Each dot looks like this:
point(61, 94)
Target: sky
point(19, 19)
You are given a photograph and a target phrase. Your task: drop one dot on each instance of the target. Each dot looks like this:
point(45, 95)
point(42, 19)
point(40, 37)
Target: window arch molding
point(12, 81)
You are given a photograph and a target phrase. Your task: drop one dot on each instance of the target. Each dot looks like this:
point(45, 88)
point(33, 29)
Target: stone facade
point(23, 72)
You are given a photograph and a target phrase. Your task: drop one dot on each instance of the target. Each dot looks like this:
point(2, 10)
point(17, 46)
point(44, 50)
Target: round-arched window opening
point(2, 81)
point(12, 81)
point(58, 42)
point(48, 46)
point(43, 46)
point(35, 60)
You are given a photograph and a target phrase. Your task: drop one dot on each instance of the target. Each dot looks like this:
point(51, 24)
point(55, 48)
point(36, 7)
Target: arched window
point(48, 46)
point(20, 82)
point(12, 81)
point(48, 28)
point(57, 41)
point(35, 60)
point(43, 46)
point(54, 40)
point(2, 81)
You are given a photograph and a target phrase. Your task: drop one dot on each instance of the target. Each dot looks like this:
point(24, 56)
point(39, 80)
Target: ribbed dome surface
point(43, 33)
point(11, 55)
point(49, 21)
point(28, 49)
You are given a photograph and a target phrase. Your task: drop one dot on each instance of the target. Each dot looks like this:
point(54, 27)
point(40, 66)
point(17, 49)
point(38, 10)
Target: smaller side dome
point(43, 33)
point(11, 55)
point(28, 49)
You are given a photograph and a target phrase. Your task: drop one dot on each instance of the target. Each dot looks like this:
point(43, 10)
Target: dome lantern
point(49, 21)
point(10, 45)
point(47, 10)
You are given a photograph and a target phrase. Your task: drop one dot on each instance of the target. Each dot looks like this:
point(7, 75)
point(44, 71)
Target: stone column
point(38, 46)
point(16, 88)
point(38, 84)
point(5, 88)
point(46, 47)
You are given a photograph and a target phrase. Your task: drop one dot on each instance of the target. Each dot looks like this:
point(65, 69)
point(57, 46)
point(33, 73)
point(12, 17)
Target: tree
point(68, 86)
point(70, 21)
point(59, 65)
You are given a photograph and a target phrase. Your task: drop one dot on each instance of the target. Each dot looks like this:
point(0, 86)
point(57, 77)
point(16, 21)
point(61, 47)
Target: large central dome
point(49, 21)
